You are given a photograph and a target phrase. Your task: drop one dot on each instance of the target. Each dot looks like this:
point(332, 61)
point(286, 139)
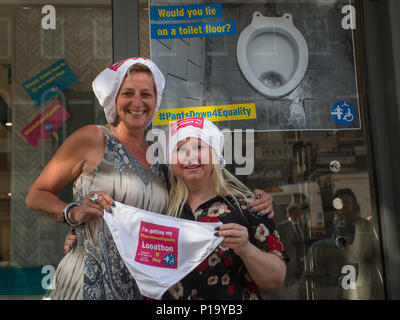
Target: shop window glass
point(310, 141)
point(81, 44)
point(309, 147)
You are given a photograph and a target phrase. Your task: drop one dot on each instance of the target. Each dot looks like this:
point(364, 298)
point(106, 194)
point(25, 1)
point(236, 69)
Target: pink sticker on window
point(158, 245)
point(46, 123)
point(194, 122)
point(116, 66)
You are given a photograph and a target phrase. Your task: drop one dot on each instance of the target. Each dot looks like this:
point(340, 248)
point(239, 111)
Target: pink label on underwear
point(158, 245)
point(194, 122)
point(116, 66)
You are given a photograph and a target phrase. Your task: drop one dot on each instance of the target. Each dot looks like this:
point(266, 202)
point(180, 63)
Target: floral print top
point(223, 274)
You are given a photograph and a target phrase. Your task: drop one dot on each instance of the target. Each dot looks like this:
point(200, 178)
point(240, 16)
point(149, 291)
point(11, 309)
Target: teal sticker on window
point(50, 82)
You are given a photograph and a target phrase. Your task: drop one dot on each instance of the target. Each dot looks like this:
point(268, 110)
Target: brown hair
point(136, 68)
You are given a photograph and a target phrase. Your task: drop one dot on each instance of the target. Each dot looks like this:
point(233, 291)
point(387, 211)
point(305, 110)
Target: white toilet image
point(272, 55)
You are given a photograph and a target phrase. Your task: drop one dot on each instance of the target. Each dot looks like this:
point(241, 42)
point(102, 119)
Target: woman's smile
point(136, 113)
point(192, 168)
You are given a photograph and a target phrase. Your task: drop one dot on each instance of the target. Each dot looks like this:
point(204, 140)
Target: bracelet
point(67, 214)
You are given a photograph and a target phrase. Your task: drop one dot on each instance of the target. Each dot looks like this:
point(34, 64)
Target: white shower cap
point(196, 127)
point(107, 84)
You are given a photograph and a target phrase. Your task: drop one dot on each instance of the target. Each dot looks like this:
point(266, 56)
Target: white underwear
point(159, 250)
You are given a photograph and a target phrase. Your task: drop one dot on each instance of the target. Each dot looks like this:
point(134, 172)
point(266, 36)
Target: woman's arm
point(80, 153)
point(266, 269)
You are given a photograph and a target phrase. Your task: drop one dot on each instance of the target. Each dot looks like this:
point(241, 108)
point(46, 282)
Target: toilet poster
point(262, 65)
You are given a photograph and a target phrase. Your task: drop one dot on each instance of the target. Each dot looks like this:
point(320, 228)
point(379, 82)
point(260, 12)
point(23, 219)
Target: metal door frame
point(125, 22)
point(381, 23)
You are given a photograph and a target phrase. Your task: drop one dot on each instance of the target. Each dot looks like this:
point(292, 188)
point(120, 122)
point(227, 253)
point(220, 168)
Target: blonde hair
point(225, 184)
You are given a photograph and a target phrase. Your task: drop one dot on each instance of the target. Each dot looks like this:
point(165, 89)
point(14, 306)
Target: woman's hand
point(90, 209)
point(70, 241)
point(255, 260)
point(236, 237)
point(263, 204)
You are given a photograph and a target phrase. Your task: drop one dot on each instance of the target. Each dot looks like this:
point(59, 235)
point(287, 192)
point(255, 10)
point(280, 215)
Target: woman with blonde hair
point(251, 255)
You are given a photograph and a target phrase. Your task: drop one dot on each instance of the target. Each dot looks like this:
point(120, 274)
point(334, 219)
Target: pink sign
point(193, 121)
point(45, 123)
point(158, 246)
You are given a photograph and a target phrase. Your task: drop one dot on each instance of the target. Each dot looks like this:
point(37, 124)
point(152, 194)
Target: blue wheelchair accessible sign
point(343, 113)
point(169, 260)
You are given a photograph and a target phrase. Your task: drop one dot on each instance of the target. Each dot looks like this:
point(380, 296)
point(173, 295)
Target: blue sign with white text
point(50, 82)
point(188, 12)
point(343, 113)
point(193, 30)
